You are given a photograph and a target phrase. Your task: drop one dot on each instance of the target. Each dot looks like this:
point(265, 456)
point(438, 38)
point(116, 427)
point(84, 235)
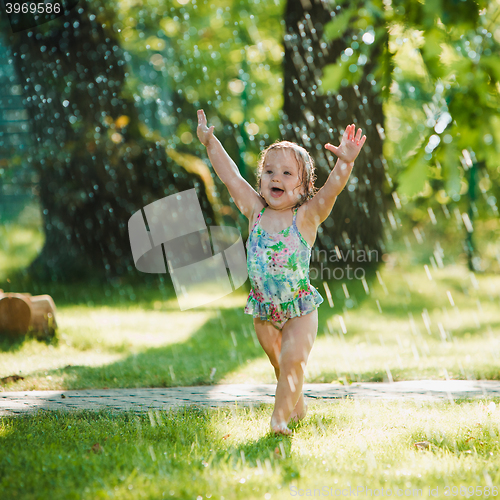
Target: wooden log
point(43, 317)
point(15, 314)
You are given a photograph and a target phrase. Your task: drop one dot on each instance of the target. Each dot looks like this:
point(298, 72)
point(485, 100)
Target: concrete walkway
point(18, 403)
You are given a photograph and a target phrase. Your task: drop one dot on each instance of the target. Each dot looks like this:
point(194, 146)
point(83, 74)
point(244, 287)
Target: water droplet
point(368, 37)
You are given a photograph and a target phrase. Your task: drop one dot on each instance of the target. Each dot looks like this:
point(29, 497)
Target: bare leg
point(270, 339)
point(298, 336)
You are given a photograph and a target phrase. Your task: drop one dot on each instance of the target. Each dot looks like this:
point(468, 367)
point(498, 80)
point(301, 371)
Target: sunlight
point(132, 328)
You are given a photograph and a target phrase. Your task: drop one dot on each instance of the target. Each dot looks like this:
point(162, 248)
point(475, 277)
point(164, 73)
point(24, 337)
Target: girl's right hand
point(204, 133)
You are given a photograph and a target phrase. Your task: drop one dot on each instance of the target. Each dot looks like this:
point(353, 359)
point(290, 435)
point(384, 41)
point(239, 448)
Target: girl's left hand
point(350, 146)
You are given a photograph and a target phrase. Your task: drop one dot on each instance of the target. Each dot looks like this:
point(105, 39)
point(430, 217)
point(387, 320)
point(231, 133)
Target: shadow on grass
point(222, 345)
point(140, 289)
point(143, 289)
point(12, 343)
point(268, 451)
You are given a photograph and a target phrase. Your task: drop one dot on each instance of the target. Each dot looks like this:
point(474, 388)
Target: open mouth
point(276, 192)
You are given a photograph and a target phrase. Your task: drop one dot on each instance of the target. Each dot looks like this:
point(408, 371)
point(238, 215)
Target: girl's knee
point(294, 360)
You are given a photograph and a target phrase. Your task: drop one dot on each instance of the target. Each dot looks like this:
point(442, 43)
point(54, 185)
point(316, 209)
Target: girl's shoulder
point(305, 213)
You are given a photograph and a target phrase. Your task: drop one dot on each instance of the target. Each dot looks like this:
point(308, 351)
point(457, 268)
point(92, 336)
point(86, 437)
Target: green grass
point(397, 325)
point(124, 335)
point(132, 334)
point(229, 453)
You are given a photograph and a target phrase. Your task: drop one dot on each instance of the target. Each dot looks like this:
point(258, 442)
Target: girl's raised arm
point(245, 197)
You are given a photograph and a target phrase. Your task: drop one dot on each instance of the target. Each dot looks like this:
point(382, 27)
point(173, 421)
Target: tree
point(95, 166)
point(106, 147)
point(139, 74)
point(313, 118)
point(447, 81)
point(429, 68)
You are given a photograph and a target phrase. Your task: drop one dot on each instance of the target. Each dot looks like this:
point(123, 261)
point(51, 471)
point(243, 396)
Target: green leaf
point(278, 247)
point(410, 142)
point(491, 66)
point(333, 74)
point(303, 284)
point(431, 52)
point(338, 25)
point(292, 262)
point(451, 165)
point(412, 180)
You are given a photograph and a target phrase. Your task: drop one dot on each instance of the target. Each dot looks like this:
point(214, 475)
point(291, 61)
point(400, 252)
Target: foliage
point(437, 74)
point(439, 78)
point(225, 57)
point(120, 115)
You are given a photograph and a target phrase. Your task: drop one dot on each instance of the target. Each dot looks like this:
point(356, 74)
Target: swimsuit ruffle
point(277, 312)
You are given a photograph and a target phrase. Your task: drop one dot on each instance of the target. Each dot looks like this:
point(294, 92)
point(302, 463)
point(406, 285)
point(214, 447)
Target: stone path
point(17, 403)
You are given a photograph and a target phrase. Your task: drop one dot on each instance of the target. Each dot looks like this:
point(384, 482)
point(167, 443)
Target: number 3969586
point(33, 8)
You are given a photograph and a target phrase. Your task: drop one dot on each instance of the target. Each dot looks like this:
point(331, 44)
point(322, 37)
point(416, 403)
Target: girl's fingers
point(358, 135)
point(202, 119)
point(363, 139)
point(331, 148)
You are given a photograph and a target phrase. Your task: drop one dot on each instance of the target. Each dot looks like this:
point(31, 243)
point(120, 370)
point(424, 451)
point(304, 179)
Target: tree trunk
point(94, 167)
point(356, 222)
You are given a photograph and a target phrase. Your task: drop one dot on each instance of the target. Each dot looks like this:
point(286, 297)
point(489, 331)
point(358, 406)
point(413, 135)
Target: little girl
point(284, 218)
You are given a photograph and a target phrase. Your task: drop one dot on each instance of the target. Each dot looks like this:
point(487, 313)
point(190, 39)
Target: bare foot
point(300, 410)
point(280, 428)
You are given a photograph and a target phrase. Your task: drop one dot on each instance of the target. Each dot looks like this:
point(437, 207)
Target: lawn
point(412, 320)
point(228, 453)
point(406, 327)
point(415, 318)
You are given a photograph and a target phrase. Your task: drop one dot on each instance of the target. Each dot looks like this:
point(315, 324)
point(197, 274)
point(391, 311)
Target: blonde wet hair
point(307, 173)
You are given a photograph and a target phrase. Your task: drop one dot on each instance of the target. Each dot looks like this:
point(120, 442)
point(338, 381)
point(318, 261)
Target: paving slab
point(143, 399)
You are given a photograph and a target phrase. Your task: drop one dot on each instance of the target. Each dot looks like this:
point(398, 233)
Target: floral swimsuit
point(278, 267)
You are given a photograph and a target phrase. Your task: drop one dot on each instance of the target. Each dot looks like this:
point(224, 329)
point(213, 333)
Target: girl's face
point(280, 182)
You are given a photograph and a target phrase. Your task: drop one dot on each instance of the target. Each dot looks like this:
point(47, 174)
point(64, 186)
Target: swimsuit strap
point(258, 218)
point(294, 224)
